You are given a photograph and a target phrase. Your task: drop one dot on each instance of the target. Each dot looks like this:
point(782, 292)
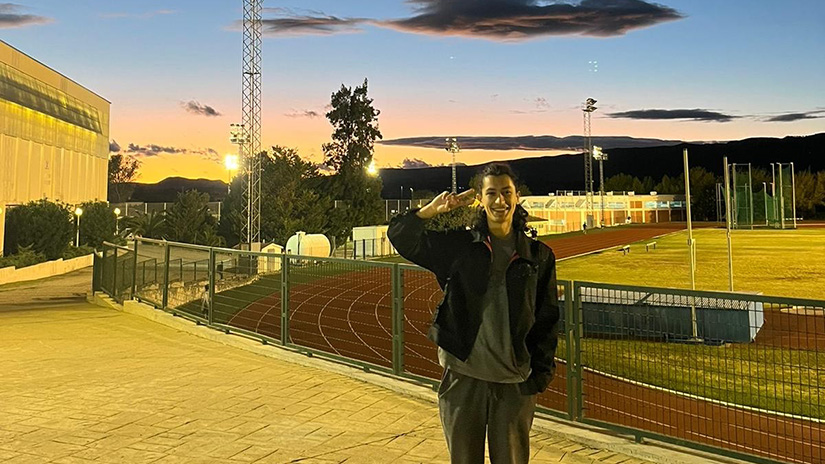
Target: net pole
point(691, 245)
point(781, 200)
point(793, 196)
point(750, 193)
point(728, 221)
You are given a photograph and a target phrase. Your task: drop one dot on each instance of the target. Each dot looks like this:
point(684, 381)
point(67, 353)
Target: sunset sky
point(695, 70)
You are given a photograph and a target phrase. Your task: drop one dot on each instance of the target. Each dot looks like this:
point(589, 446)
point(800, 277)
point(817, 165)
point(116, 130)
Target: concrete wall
point(41, 271)
point(54, 136)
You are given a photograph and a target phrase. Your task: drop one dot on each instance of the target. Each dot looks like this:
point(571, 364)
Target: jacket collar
point(523, 248)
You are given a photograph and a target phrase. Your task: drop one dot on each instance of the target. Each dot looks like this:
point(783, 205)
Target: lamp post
point(231, 164)
point(453, 147)
point(600, 156)
point(588, 108)
point(117, 221)
point(78, 212)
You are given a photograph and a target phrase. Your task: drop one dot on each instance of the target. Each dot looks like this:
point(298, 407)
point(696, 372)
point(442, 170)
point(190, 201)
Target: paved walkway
point(57, 290)
point(84, 384)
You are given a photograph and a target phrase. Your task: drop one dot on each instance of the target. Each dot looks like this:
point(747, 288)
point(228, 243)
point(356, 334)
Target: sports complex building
point(54, 136)
point(567, 211)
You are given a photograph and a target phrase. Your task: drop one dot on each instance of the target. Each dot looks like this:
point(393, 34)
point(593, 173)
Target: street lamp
point(78, 212)
point(453, 147)
point(601, 157)
point(117, 221)
point(231, 164)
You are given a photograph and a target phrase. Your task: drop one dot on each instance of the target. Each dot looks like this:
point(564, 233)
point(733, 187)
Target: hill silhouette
point(547, 174)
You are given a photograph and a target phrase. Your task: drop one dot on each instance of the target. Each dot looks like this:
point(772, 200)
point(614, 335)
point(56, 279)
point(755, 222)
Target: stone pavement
point(58, 290)
point(85, 384)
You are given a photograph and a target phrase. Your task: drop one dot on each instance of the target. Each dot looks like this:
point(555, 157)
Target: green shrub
point(74, 252)
point(97, 224)
point(45, 226)
point(25, 257)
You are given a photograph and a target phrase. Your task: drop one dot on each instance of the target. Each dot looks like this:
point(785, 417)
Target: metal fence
point(734, 374)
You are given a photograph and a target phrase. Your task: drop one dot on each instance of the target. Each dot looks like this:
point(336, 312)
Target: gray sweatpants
point(472, 410)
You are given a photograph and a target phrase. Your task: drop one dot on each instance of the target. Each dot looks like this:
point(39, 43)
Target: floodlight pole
point(452, 147)
point(728, 223)
point(691, 246)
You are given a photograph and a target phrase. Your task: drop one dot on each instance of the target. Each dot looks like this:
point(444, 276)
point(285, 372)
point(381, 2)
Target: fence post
point(134, 271)
point(114, 276)
point(284, 299)
point(167, 254)
point(96, 268)
point(397, 320)
point(211, 274)
point(576, 359)
point(572, 347)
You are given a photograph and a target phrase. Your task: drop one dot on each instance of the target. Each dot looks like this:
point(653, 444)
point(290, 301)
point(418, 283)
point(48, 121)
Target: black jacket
point(460, 260)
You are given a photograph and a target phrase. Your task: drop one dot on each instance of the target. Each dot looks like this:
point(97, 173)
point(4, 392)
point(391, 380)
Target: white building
point(567, 211)
point(54, 136)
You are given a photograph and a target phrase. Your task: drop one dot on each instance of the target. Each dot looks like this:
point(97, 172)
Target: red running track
point(350, 315)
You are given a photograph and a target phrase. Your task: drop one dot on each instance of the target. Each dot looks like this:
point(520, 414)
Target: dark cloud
point(687, 114)
point(152, 150)
point(114, 147)
point(525, 19)
point(147, 151)
point(529, 142)
point(11, 17)
point(509, 20)
point(315, 23)
point(196, 108)
point(304, 114)
point(542, 102)
point(790, 117)
point(414, 163)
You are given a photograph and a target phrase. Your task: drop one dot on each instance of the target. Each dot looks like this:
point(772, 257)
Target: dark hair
point(519, 215)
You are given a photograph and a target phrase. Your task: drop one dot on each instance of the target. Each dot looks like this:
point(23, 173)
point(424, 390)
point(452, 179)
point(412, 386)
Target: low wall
point(41, 271)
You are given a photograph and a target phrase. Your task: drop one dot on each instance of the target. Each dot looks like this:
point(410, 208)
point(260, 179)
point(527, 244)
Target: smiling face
point(499, 198)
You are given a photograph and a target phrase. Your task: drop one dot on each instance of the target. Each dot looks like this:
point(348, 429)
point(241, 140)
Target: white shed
point(270, 263)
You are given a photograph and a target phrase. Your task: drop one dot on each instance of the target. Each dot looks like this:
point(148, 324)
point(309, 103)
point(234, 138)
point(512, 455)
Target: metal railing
point(730, 373)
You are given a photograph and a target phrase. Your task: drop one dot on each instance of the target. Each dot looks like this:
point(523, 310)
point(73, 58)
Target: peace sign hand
point(446, 202)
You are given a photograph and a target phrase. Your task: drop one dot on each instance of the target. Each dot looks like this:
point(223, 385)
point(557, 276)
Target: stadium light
point(231, 164)
point(371, 169)
point(452, 147)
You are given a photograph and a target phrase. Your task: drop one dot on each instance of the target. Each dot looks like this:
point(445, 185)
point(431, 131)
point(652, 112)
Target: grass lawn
point(775, 262)
point(762, 377)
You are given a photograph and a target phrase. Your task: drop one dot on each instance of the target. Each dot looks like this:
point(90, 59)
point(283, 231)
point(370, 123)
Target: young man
point(496, 326)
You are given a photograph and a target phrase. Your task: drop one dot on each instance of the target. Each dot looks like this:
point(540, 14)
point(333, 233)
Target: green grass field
point(775, 379)
point(787, 263)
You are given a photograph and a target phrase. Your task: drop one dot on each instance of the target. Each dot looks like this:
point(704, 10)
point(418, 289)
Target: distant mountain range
point(547, 174)
point(530, 142)
point(167, 190)
point(564, 172)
